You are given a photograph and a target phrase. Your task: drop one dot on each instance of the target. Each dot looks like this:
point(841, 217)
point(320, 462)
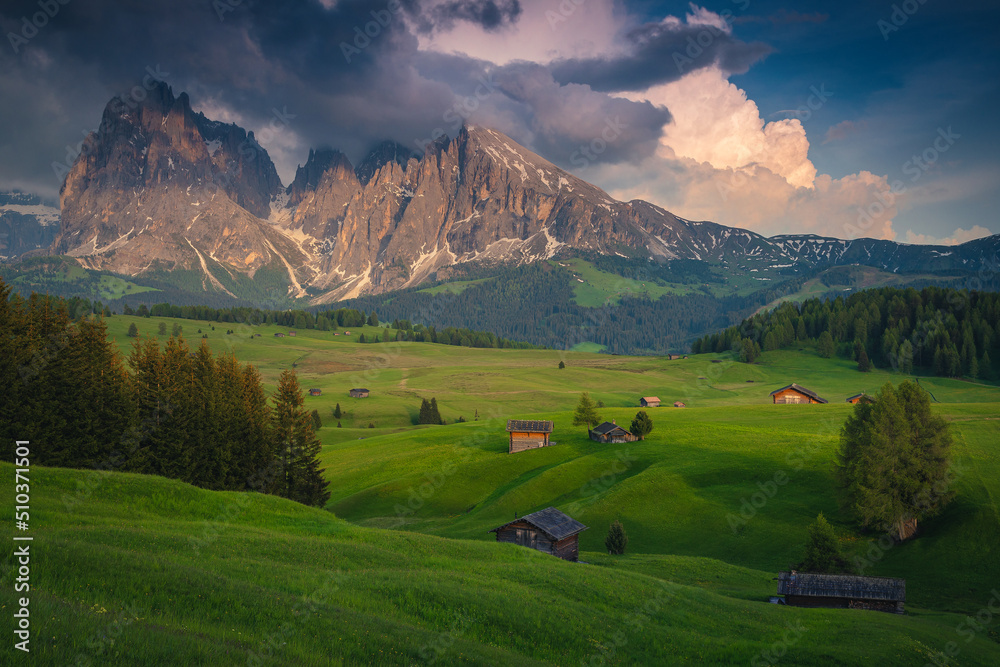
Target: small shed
point(548, 530)
point(860, 398)
point(678, 404)
point(528, 434)
point(291, 333)
point(315, 392)
point(673, 357)
point(794, 393)
point(359, 393)
point(649, 402)
point(804, 589)
point(610, 432)
point(279, 335)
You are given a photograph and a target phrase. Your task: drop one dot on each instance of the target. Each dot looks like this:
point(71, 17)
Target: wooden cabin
point(291, 333)
point(678, 404)
point(359, 393)
point(649, 402)
point(528, 434)
point(804, 589)
point(794, 393)
point(610, 432)
point(315, 392)
point(860, 398)
point(279, 335)
point(673, 357)
point(548, 530)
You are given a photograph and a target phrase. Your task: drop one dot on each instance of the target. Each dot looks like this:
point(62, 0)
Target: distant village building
point(860, 398)
point(548, 530)
point(359, 393)
point(678, 404)
point(315, 392)
point(528, 434)
point(279, 335)
point(794, 393)
point(804, 589)
point(674, 357)
point(649, 402)
point(291, 333)
point(610, 432)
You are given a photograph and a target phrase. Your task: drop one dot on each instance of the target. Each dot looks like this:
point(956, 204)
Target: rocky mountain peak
point(384, 153)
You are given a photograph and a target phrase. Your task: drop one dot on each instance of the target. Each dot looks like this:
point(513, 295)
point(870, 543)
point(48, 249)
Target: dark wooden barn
point(804, 589)
point(359, 393)
point(279, 335)
point(860, 398)
point(610, 432)
point(528, 434)
point(315, 392)
point(793, 393)
point(649, 402)
point(548, 530)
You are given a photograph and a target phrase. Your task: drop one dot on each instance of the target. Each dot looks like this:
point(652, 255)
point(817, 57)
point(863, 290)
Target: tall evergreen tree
point(292, 428)
point(616, 540)
point(641, 425)
point(586, 412)
point(825, 347)
point(823, 552)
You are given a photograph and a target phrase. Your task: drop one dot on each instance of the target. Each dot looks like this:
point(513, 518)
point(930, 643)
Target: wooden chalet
point(860, 398)
point(291, 333)
point(673, 357)
point(315, 392)
point(359, 393)
point(610, 432)
point(678, 404)
point(794, 393)
point(548, 530)
point(804, 589)
point(279, 335)
point(649, 402)
point(528, 434)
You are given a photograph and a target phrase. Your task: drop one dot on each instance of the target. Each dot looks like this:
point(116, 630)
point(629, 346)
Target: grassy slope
point(673, 492)
point(149, 571)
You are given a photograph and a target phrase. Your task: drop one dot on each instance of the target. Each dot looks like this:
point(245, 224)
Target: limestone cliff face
point(161, 187)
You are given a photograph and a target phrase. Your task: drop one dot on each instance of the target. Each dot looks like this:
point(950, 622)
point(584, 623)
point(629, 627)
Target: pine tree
point(337, 414)
point(825, 347)
point(435, 415)
point(893, 460)
point(162, 329)
point(617, 540)
point(133, 331)
point(641, 425)
point(424, 416)
point(176, 331)
point(823, 552)
point(586, 412)
point(299, 448)
point(864, 365)
point(317, 420)
point(562, 364)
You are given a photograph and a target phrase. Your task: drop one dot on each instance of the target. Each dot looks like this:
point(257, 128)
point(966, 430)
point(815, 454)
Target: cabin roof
point(605, 428)
point(557, 525)
point(529, 426)
point(801, 390)
point(650, 399)
point(841, 586)
point(359, 389)
point(857, 396)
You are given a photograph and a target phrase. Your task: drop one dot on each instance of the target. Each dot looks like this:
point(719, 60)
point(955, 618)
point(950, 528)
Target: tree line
point(948, 332)
point(165, 410)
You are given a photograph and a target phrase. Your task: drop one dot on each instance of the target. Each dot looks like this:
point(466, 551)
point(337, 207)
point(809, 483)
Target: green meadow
point(400, 567)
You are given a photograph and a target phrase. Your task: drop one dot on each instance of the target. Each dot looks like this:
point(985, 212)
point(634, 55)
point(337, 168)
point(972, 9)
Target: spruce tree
point(133, 331)
point(825, 347)
point(617, 540)
point(161, 329)
point(298, 447)
point(586, 412)
point(641, 425)
point(337, 414)
point(823, 553)
point(435, 416)
point(317, 420)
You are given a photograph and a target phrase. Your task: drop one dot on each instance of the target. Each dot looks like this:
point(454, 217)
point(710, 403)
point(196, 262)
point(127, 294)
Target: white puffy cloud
point(957, 237)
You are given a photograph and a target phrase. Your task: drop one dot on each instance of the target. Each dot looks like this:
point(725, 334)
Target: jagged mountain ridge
point(168, 188)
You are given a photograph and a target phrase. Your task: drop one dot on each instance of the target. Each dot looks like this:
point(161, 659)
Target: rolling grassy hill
point(211, 578)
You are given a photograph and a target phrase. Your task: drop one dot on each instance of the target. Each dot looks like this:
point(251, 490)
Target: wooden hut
point(528, 434)
point(610, 432)
point(315, 392)
point(649, 402)
point(678, 404)
point(279, 335)
point(673, 357)
point(291, 333)
point(794, 393)
point(548, 530)
point(804, 589)
point(359, 393)
point(860, 398)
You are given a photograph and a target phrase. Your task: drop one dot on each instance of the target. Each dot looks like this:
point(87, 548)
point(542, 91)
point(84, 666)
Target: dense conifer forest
point(947, 332)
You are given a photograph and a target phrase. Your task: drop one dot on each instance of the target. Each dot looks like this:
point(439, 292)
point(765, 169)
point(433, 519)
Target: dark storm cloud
point(490, 14)
point(564, 118)
point(660, 53)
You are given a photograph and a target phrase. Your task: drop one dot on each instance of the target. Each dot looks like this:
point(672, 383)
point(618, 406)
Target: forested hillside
point(948, 332)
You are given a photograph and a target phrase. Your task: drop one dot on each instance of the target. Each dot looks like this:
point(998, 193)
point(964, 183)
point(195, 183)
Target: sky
point(855, 118)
